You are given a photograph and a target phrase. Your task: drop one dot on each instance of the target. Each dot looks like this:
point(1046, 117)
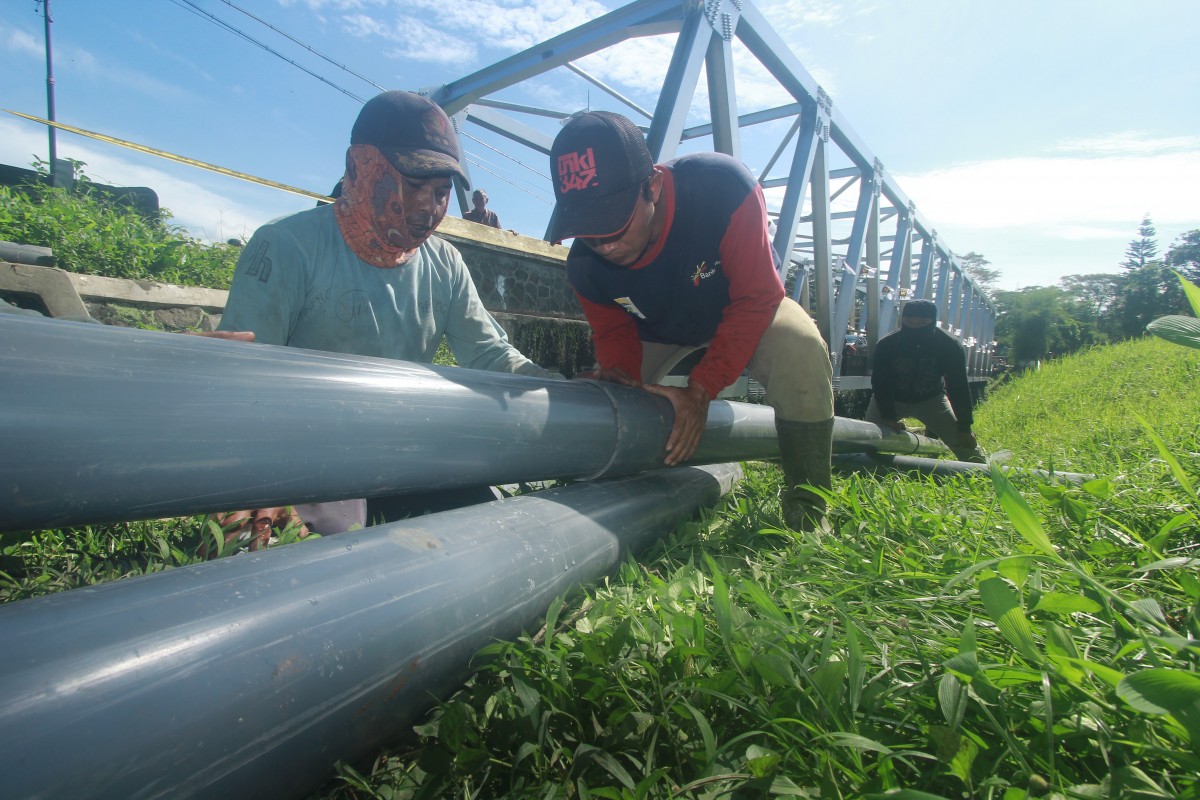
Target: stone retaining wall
point(514, 273)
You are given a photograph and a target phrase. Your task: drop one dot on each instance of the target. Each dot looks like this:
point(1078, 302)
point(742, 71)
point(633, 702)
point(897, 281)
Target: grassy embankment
point(958, 638)
point(954, 639)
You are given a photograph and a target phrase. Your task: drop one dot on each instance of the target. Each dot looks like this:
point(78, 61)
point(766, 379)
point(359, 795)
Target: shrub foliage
point(94, 235)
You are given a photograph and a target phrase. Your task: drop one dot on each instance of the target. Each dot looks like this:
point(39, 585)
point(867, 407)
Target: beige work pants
point(791, 362)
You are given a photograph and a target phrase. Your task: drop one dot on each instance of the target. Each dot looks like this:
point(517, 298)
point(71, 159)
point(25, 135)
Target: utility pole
point(50, 95)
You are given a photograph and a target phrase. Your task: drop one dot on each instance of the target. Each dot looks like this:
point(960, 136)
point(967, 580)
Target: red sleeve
point(615, 336)
point(755, 291)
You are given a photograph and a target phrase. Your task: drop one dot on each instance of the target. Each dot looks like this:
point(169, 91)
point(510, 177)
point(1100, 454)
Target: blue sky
point(1034, 132)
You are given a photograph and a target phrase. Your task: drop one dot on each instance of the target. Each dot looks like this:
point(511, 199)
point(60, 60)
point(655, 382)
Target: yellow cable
point(173, 157)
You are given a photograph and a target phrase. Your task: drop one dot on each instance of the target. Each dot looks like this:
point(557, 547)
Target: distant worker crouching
point(920, 371)
point(480, 212)
point(675, 257)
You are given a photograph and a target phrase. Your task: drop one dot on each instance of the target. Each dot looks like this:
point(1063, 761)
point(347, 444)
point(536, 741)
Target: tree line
point(1040, 322)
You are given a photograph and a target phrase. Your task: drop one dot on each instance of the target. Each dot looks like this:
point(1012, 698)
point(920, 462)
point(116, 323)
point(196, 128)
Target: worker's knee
point(792, 362)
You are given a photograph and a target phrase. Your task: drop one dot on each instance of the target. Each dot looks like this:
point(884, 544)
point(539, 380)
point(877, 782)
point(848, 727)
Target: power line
point(380, 88)
point(510, 183)
point(476, 160)
point(236, 31)
point(537, 186)
point(221, 23)
point(506, 155)
point(302, 44)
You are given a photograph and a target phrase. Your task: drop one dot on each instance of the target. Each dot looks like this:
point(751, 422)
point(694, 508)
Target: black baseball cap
point(920, 309)
point(413, 133)
point(598, 162)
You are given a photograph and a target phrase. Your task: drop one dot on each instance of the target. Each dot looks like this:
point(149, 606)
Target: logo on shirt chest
point(704, 271)
point(627, 304)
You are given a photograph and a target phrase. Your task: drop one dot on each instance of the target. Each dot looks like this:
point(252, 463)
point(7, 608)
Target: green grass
point(962, 637)
point(1084, 411)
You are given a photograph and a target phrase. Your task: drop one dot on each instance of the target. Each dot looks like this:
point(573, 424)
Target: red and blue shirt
point(711, 278)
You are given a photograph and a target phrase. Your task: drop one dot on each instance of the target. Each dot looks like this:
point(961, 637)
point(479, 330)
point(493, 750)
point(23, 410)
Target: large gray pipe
point(104, 424)
point(26, 254)
point(250, 676)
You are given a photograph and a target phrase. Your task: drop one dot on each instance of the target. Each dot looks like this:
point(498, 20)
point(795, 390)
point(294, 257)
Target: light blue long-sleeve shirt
point(298, 284)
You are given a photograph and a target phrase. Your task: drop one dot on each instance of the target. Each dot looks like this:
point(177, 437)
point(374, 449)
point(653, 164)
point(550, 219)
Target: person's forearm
point(614, 337)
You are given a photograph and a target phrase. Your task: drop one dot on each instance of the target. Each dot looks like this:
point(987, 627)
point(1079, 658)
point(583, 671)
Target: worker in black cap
point(366, 276)
point(920, 371)
point(675, 257)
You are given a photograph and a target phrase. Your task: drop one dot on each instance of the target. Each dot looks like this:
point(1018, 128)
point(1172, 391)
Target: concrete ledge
point(147, 294)
point(459, 231)
point(512, 272)
point(51, 284)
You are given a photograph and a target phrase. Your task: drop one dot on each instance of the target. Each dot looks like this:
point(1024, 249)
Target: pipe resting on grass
point(884, 462)
point(250, 676)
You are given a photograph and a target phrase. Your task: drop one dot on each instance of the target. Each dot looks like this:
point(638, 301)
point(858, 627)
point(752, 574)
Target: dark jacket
point(917, 364)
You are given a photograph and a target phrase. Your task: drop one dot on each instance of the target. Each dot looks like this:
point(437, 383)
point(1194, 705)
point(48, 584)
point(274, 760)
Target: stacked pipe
point(248, 677)
point(108, 424)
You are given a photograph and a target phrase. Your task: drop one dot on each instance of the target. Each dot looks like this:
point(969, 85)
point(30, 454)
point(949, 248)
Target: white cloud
point(1040, 218)
point(334, 5)
point(798, 14)
point(635, 67)
point(417, 41)
point(1126, 143)
point(365, 26)
point(21, 142)
point(85, 66)
point(411, 39)
point(1086, 233)
point(452, 33)
point(1060, 191)
point(17, 41)
point(508, 24)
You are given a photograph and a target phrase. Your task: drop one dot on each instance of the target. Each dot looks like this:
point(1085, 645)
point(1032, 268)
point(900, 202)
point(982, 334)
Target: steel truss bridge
point(852, 244)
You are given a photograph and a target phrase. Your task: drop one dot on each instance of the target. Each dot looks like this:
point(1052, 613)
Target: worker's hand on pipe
point(236, 336)
point(691, 416)
point(254, 526)
point(896, 425)
point(612, 375)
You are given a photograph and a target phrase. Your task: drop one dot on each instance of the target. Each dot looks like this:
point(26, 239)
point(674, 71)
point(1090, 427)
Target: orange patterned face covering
point(370, 212)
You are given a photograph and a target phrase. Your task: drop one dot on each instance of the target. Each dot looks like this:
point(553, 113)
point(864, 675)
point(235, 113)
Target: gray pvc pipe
point(107, 424)
point(857, 436)
point(883, 462)
point(118, 424)
point(250, 676)
point(26, 254)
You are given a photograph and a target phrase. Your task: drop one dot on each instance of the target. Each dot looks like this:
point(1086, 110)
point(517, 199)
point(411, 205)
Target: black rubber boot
point(804, 451)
